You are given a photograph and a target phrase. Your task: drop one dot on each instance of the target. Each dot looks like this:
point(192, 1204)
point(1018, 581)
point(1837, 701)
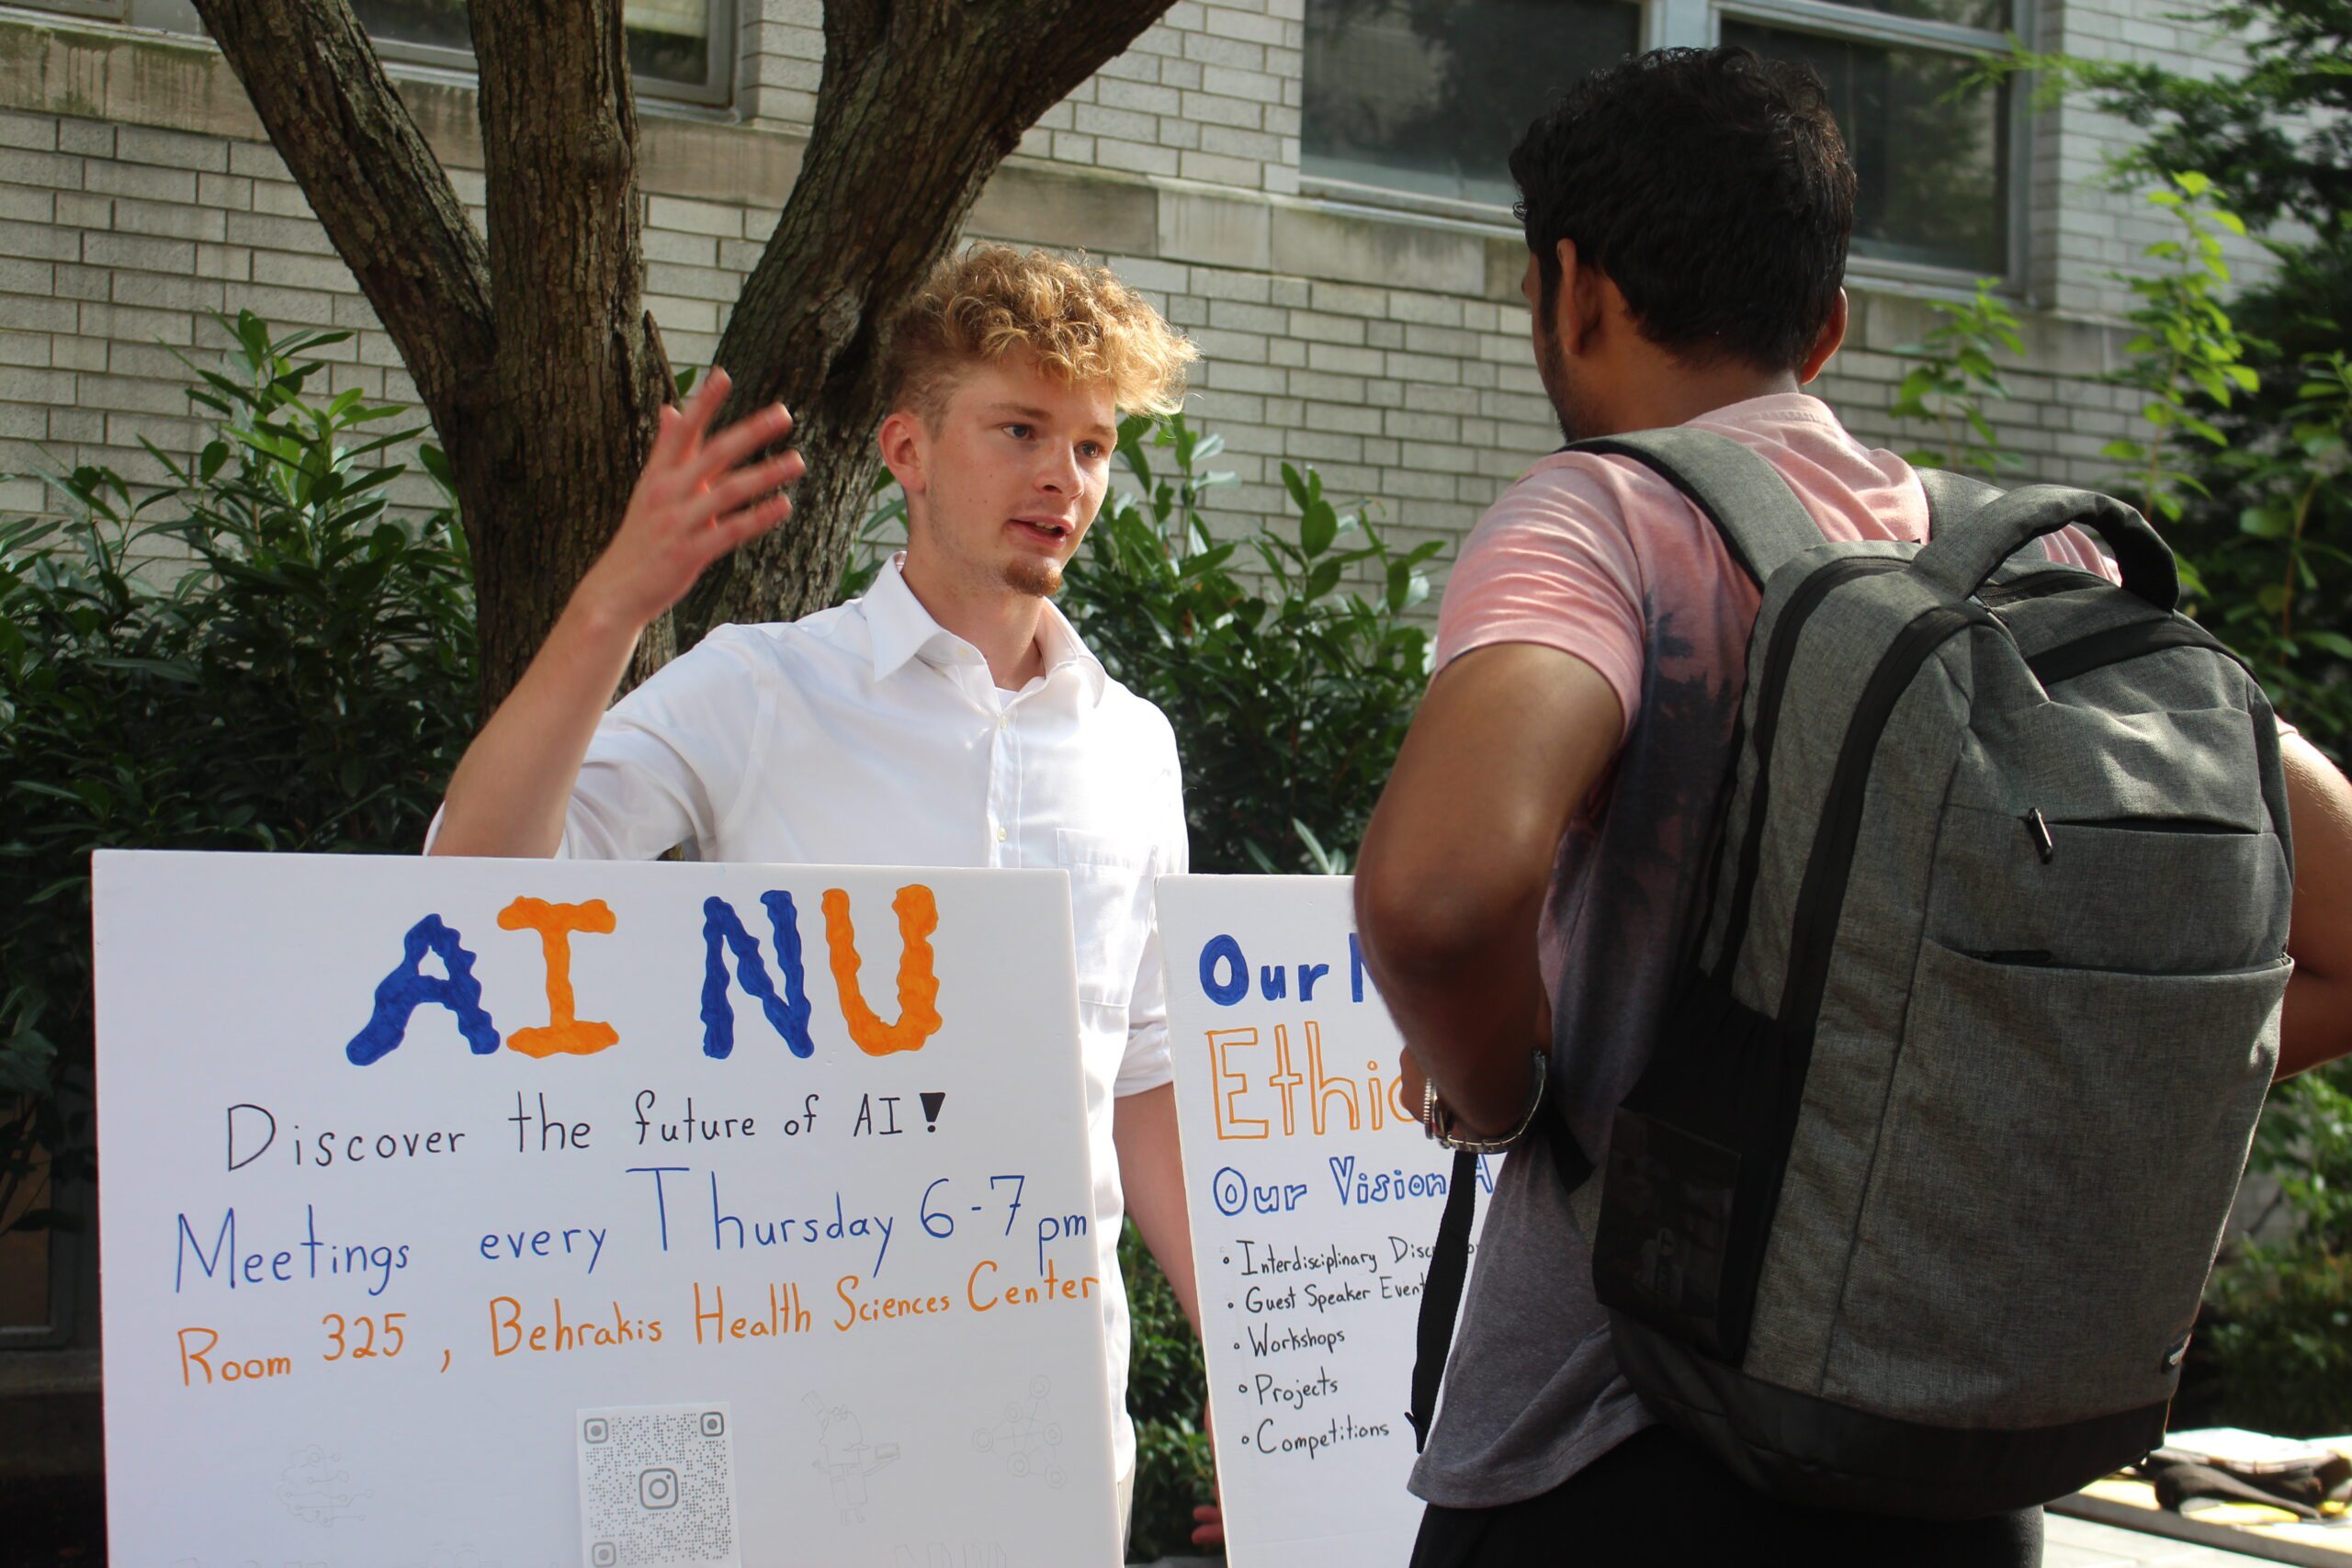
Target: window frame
point(80, 10)
point(1340, 194)
point(1698, 24)
point(1826, 19)
point(717, 92)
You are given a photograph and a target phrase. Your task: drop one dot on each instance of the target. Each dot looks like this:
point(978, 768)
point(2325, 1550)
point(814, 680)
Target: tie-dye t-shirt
point(1601, 559)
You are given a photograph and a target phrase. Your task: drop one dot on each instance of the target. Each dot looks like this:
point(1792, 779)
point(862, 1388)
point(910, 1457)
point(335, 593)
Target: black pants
point(1658, 1501)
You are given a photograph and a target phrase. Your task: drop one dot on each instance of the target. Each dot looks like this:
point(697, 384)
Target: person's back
point(1601, 559)
point(1592, 648)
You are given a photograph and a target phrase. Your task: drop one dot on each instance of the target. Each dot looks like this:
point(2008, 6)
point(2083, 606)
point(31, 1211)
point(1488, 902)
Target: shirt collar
point(901, 629)
point(1063, 646)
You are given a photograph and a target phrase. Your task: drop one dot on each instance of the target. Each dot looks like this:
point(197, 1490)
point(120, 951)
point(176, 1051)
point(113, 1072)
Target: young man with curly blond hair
point(949, 717)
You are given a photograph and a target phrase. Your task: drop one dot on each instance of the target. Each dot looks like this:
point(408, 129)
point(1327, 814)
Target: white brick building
point(1357, 306)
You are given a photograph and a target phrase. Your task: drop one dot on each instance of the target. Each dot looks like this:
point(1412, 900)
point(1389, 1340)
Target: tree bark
point(577, 376)
point(919, 102)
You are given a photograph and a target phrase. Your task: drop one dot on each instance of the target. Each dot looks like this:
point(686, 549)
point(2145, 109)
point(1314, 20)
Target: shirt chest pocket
point(1110, 907)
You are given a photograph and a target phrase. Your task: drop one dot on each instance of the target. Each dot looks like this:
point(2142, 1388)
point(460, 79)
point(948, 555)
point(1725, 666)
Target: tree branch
point(382, 196)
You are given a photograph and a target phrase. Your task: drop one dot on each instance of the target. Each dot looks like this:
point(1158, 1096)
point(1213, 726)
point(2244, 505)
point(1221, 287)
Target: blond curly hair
point(1080, 323)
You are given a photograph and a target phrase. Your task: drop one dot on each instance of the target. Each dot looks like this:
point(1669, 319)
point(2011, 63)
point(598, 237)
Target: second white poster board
point(1314, 1201)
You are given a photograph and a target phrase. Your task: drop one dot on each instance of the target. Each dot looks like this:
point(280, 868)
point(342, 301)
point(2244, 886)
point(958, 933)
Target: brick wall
point(137, 196)
point(2083, 231)
point(1209, 93)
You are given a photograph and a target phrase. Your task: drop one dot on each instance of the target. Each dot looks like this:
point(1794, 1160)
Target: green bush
point(2255, 485)
point(2282, 1337)
point(1290, 688)
point(253, 654)
point(1168, 1397)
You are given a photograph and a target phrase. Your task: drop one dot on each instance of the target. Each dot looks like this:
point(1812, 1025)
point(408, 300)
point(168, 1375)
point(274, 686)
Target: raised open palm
point(699, 496)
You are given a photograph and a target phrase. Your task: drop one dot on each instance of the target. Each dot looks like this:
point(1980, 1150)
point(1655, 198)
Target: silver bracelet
point(1436, 1116)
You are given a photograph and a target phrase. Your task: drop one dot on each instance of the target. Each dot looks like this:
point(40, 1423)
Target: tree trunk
point(533, 352)
point(578, 376)
point(920, 100)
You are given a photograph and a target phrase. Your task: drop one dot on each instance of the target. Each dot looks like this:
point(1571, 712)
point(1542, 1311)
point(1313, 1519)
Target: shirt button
point(1000, 835)
point(1003, 720)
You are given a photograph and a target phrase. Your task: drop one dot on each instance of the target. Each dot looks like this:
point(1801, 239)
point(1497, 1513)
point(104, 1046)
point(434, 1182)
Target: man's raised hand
point(699, 496)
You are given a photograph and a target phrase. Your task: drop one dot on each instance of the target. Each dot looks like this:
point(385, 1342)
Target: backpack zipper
point(2197, 825)
point(2042, 958)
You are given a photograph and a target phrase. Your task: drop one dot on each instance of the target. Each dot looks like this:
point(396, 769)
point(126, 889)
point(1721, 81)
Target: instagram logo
point(657, 1488)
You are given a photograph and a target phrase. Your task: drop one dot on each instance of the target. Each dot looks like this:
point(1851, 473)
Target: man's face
point(1560, 383)
point(1012, 476)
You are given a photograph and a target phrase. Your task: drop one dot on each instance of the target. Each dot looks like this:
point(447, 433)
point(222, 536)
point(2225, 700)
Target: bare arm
point(2317, 1025)
point(1151, 1169)
point(696, 500)
point(1450, 881)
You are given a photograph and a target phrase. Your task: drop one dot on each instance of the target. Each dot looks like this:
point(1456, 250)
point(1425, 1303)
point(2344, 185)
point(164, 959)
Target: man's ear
point(1578, 307)
point(905, 447)
point(1832, 335)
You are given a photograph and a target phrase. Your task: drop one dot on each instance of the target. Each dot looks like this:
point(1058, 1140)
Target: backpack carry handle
point(1966, 550)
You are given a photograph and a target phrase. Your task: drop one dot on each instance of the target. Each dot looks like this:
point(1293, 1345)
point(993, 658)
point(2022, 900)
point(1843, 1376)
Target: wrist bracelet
point(1437, 1118)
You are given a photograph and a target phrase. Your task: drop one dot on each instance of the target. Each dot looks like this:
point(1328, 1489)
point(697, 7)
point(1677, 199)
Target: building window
point(1431, 95)
point(1932, 150)
point(676, 48)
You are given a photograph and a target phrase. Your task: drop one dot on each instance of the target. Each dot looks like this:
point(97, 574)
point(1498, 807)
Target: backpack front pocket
point(2037, 1114)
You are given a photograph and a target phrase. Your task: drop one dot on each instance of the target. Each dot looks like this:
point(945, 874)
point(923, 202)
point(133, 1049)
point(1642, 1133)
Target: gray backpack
point(1913, 1207)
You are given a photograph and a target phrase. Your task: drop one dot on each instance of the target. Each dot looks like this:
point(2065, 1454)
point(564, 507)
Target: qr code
point(656, 1487)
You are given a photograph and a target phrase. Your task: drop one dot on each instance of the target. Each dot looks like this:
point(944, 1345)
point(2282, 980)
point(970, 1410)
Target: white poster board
point(462, 1213)
point(1315, 1202)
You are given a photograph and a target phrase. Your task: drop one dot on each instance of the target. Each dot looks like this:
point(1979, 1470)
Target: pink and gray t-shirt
point(1599, 557)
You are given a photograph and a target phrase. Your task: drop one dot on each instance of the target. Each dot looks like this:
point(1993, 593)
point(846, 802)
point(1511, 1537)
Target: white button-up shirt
point(869, 734)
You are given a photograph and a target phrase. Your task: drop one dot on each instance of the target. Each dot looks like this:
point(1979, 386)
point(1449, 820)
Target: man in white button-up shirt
point(950, 717)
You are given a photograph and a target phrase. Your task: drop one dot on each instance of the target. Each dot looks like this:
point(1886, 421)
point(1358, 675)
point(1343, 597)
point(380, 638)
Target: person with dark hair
point(1542, 845)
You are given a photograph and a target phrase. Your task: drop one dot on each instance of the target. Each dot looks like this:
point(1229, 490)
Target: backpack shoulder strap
point(1954, 499)
point(1750, 505)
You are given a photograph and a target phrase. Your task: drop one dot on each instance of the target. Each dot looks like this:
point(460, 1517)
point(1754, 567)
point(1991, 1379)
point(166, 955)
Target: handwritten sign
point(482, 1212)
point(1315, 1202)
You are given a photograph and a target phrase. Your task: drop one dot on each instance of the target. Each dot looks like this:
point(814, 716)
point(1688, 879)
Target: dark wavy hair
point(1711, 186)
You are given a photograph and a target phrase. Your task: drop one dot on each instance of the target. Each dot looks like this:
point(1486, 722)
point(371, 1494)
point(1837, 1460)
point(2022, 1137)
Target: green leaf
point(1295, 483)
point(1318, 524)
